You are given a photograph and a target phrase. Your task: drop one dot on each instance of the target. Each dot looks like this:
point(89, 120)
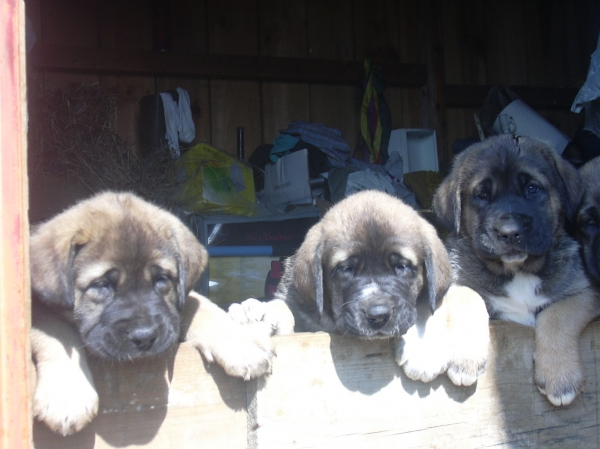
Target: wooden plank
point(15, 424)
point(281, 104)
point(282, 28)
point(125, 25)
point(376, 31)
point(471, 96)
point(130, 90)
point(329, 29)
point(69, 22)
point(232, 27)
point(240, 67)
point(233, 104)
point(171, 402)
point(188, 26)
point(333, 392)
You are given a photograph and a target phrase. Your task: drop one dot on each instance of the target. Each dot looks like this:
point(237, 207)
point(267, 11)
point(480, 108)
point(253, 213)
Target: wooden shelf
point(239, 67)
point(459, 96)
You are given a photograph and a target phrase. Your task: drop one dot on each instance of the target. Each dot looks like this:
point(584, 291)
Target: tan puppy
point(373, 268)
point(110, 277)
point(588, 219)
point(507, 201)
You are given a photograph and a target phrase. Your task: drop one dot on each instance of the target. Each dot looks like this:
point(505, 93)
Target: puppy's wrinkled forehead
point(374, 230)
point(127, 245)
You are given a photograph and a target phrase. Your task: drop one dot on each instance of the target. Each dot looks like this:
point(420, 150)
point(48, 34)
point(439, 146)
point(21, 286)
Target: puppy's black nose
point(510, 228)
point(143, 337)
point(378, 314)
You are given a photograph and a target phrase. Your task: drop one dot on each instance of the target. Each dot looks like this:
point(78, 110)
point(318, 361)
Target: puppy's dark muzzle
point(378, 314)
point(511, 229)
point(143, 337)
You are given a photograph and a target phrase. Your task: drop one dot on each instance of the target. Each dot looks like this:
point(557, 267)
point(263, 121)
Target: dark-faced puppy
point(110, 277)
point(368, 269)
point(507, 201)
point(588, 219)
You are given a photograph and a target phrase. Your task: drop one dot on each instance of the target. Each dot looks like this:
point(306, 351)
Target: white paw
point(275, 314)
point(64, 398)
point(421, 357)
point(243, 351)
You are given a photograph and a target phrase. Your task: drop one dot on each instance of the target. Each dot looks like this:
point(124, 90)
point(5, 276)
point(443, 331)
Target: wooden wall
point(467, 45)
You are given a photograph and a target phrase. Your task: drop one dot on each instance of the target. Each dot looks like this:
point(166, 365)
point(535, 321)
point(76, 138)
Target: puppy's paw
point(467, 371)
point(420, 357)
point(64, 398)
point(275, 314)
point(559, 383)
point(468, 330)
point(243, 351)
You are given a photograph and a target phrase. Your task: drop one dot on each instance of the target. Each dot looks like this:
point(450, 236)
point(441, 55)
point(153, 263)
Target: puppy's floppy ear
point(571, 187)
point(192, 260)
point(437, 266)
point(447, 200)
point(307, 268)
point(52, 249)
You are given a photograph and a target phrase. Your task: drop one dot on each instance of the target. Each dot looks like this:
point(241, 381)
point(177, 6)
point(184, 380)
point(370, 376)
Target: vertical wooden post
point(15, 420)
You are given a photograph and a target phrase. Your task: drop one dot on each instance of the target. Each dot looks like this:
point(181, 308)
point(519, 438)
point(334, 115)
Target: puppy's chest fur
point(521, 300)
point(521, 295)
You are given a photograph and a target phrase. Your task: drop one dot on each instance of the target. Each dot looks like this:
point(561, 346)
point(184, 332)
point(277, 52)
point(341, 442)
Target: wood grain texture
point(170, 402)
point(15, 425)
point(334, 392)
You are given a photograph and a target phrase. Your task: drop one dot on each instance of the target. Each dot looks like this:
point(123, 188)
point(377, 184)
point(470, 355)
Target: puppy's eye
point(589, 222)
point(532, 189)
point(346, 268)
point(400, 264)
point(482, 195)
point(162, 282)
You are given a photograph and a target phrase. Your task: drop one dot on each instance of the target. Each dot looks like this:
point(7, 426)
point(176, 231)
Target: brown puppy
point(507, 201)
point(110, 277)
point(373, 268)
point(588, 219)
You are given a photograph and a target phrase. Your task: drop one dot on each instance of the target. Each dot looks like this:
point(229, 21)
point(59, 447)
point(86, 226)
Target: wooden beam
point(15, 424)
point(239, 67)
point(459, 96)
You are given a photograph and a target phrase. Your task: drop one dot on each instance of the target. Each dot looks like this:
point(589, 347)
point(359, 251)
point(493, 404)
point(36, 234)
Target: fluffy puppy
point(373, 268)
point(507, 202)
point(110, 277)
point(588, 219)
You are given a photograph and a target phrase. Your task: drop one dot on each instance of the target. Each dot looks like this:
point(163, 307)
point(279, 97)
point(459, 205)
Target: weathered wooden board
point(336, 392)
point(171, 402)
point(333, 392)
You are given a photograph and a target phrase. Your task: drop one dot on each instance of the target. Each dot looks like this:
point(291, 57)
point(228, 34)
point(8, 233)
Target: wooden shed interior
point(261, 64)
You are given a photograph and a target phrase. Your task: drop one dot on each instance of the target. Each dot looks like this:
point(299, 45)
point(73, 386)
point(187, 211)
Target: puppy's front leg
point(558, 371)
point(65, 397)
point(242, 350)
point(455, 338)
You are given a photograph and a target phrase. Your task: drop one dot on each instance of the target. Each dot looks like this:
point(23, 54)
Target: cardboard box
point(287, 181)
point(417, 147)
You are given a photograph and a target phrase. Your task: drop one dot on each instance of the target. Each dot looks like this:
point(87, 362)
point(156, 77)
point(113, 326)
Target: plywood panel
point(335, 392)
point(169, 402)
point(282, 28)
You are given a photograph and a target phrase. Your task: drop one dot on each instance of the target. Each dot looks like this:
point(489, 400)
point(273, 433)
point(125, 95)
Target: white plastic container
point(417, 147)
point(519, 119)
